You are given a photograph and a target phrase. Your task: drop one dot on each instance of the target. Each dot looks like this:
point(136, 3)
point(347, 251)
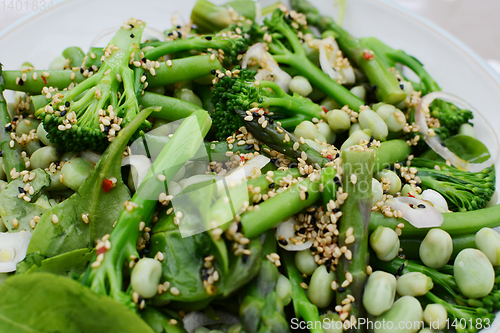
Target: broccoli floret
point(240, 91)
point(462, 190)
point(450, 118)
point(92, 113)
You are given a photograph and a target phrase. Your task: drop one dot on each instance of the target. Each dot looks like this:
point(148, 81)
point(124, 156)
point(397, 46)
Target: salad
point(255, 170)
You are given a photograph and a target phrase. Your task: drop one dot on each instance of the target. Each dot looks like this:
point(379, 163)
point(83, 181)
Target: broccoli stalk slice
point(107, 278)
point(378, 73)
point(463, 190)
point(12, 159)
point(296, 57)
point(100, 91)
point(450, 116)
point(281, 140)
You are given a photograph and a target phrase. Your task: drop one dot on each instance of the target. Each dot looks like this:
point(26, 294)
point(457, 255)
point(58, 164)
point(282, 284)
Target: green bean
point(390, 152)
point(300, 85)
point(277, 177)
point(369, 119)
point(184, 69)
point(411, 245)
point(43, 157)
point(385, 243)
point(320, 292)
point(146, 277)
point(74, 172)
point(59, 79)
point(414, 284)
point(379, 293)
point(75, 55)
point(338, 120)
point(305, 263)
point(436, 248)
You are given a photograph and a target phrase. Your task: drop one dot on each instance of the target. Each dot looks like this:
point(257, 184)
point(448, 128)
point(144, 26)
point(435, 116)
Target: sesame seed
point(32, 224)
point(35, 76)
point(174, 291)
point(345, 284)
point(15, 223)
point(354, 179)
point(369, 270)
point(85, 218)
point(304, 285)
point(162, 178)
point(54, 219)
point(169, 63)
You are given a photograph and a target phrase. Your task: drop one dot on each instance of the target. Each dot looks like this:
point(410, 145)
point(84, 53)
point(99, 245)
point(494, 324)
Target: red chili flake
point(107, 185)
point(44, 79)
point(101, 250)
point(242, 159)
point(411, 195)
point(324, 108)
point(329, 156)
point(367, 55)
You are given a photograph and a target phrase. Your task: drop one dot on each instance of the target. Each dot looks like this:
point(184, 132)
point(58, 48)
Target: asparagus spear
point(353, 228)
point(387, 86)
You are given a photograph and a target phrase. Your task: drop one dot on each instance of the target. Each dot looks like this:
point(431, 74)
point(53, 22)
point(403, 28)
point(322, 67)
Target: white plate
point(42, 36)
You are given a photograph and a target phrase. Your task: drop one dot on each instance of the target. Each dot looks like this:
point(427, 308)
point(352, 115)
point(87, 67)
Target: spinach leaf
point(102, 207)
point(43, 302)
point(161, 321)
point(183, 263)
point(67, 264)
point(468, 148)
point(12, 207)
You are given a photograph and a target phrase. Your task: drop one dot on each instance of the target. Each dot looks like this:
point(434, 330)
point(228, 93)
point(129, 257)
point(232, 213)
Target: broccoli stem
point(107, 277)
point(297, 59)
point(11, 156)
point(281, 140)
point(289, 105)
point(302, 306)
point(257, 221)
point(197, 43)
point(455, 224)
point(355, 215)
point(59, 79)
point(172, 109)
point(184, 69)
point(357, 51)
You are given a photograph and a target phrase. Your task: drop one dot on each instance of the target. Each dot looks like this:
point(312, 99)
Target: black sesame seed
point(372, 138)
point(63, 113)
point(170, 34)
point(400, 269)
point(307, 195)
point(21, 190)
point(336, 210)
point(208, 37)
point(245, 258)
point(251, 146)
point(240, 227)
point(421, 206)
point(313, 249)
point(212, 71)
point(143, 59)
point(443, 144)
point(180, 35)
point(106, 129)
point(301, 231)
point(204, 277)
point(283, 242)
point(316, 228)
point(256, 115)
point(274, 160)
point(131, 25)
point(132, 36)
point(67, 104)
point(271, 186)
point(384, 192)
point(8, 127)
point(56, 163)
point(178, 27)
point(336, 180)
point(292, 165)
point(21, 82)
point(337, 155)
point(270, 121)
point(340, 289)
point(368, 145)
point(1, 153)
point(16, 118)
point(402, 86)
point(81, 70)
